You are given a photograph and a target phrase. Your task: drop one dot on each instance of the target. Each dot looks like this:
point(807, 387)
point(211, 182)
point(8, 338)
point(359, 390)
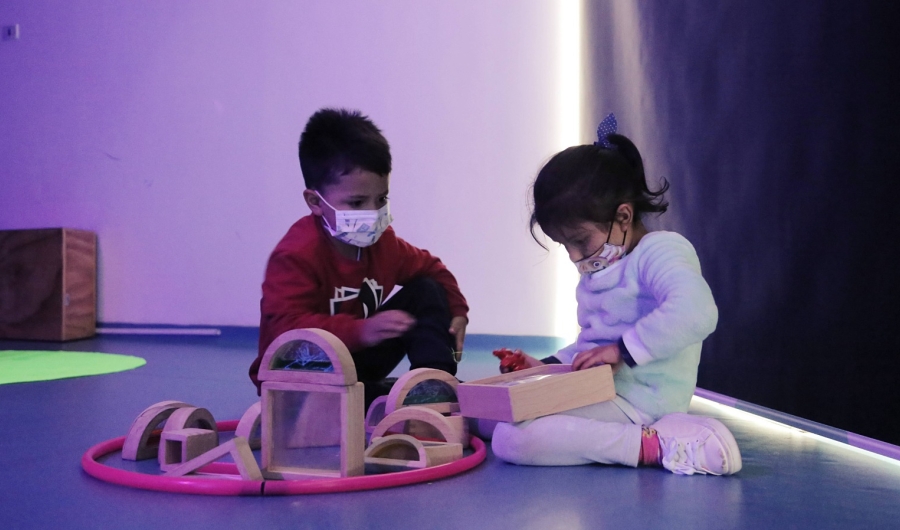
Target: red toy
point(511, 360)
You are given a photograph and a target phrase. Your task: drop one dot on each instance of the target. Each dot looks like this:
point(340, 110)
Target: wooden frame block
point(179, 446)
point(399, 452)
point(48, 284)
point(281, 363)
point(400, 390)
point(452, 430)
point(137, 444)
point(535, 392)
point(250, 427)
point(240, 452)
point(301, 417)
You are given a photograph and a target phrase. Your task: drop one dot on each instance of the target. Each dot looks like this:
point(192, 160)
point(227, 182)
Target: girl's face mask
point(360, 228)
point(605, 256)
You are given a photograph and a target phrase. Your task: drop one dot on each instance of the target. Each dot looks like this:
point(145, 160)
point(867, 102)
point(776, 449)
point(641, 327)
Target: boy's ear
point(313, 201)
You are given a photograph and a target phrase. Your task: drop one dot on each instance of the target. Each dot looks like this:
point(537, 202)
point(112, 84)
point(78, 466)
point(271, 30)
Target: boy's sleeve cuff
point(633, 350)
point(551, 360)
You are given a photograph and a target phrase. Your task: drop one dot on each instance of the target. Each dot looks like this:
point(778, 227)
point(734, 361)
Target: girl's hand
point(513, 361)
point(608, 354)
point(458, 330)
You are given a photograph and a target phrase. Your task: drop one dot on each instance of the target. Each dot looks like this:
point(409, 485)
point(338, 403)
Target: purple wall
point(170, 128)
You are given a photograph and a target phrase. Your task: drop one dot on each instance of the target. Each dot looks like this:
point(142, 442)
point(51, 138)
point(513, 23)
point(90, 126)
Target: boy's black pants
point(428, 344)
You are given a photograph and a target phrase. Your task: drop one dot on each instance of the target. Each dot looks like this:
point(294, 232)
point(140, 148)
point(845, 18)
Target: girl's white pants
point(605, 433)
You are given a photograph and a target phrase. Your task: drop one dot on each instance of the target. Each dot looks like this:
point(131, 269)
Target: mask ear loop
point(325, 219)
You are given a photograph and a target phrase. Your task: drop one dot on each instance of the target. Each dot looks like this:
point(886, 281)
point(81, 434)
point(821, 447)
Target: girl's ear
point(625, 215)
point(313, 201)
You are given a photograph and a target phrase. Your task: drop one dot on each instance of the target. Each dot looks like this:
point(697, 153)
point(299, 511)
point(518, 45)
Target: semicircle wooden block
point(397, 450)
point(376, 413)
point(249, 427)
point(444, 426)
point(191, 418)
point(343, 369)
point(137, 441)
point(409, 380)
point(401, 451)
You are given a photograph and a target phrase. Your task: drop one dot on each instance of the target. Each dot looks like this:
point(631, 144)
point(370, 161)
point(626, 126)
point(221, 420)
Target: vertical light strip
point(569, 134)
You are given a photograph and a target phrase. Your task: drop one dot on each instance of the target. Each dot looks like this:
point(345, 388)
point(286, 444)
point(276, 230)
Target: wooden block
point(425, 431)
point(375, 413)
point(138, 443)
point(441, 427)
point(400, 452)
point(408, 381)
point(191, 417)
point(312, 431)
point(48, 284)
point(249, 426)
point(240, 452)
point(244, 459)
point(308, 356)
point(179, 446)
point(535, 392)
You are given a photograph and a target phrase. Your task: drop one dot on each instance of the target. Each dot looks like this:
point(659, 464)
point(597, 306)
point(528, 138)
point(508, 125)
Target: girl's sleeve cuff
point(633, 350)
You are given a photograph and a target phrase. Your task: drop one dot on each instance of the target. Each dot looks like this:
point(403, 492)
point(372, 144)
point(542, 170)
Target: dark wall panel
point(776, 124)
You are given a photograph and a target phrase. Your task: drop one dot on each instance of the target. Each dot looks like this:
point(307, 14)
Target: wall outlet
point(11, 32)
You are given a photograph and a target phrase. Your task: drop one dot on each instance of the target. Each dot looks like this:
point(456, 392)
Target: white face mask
point(603, 258)
point(359, 228)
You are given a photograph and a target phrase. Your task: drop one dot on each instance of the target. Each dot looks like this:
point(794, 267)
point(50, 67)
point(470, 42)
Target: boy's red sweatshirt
point(308, 284)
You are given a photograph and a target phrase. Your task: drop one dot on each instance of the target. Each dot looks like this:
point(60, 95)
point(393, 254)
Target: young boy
point(334, 268)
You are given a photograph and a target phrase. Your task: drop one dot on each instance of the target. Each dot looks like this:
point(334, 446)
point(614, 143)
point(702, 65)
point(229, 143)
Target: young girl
point(643, 307)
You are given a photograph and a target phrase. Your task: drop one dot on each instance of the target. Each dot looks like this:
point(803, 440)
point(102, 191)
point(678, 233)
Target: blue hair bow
point(608, 126)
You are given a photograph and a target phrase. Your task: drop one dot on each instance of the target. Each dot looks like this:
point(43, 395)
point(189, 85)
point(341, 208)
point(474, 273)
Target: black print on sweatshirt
point(370, 295)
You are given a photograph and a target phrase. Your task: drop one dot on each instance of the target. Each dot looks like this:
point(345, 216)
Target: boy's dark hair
point(589, 182)
point(338, 141)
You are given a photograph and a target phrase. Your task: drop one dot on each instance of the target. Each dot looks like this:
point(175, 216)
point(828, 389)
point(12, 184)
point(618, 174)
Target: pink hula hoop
point(199, 485)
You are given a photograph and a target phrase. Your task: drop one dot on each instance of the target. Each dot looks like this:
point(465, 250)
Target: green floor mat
point(21, 366)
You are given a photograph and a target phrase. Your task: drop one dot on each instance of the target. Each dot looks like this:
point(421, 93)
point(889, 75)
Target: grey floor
point(789, 480)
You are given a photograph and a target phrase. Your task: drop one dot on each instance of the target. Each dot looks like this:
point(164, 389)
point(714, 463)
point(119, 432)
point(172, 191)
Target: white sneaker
point(696, 444)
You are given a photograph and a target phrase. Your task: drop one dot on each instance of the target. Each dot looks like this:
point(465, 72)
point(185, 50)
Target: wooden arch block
point(240, 452)
point(137, 444)
point(409, 380)
point(296, 356)
point(249, 426)
point(399, 452)
point(191, 417)
point(376, 413)
point(451, 429)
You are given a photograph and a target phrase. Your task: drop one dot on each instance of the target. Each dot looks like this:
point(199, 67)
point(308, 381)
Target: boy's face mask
point(359, 228)
point(605, 256)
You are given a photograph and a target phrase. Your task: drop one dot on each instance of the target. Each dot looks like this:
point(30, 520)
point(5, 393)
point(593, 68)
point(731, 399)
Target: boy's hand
point(608, 354)
point(458, 330)
point(385, 325)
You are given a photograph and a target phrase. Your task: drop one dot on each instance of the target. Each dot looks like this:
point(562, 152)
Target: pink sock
point(650, 455)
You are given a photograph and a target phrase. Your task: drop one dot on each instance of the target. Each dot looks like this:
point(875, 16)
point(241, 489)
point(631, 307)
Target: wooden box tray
point(535, 392)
